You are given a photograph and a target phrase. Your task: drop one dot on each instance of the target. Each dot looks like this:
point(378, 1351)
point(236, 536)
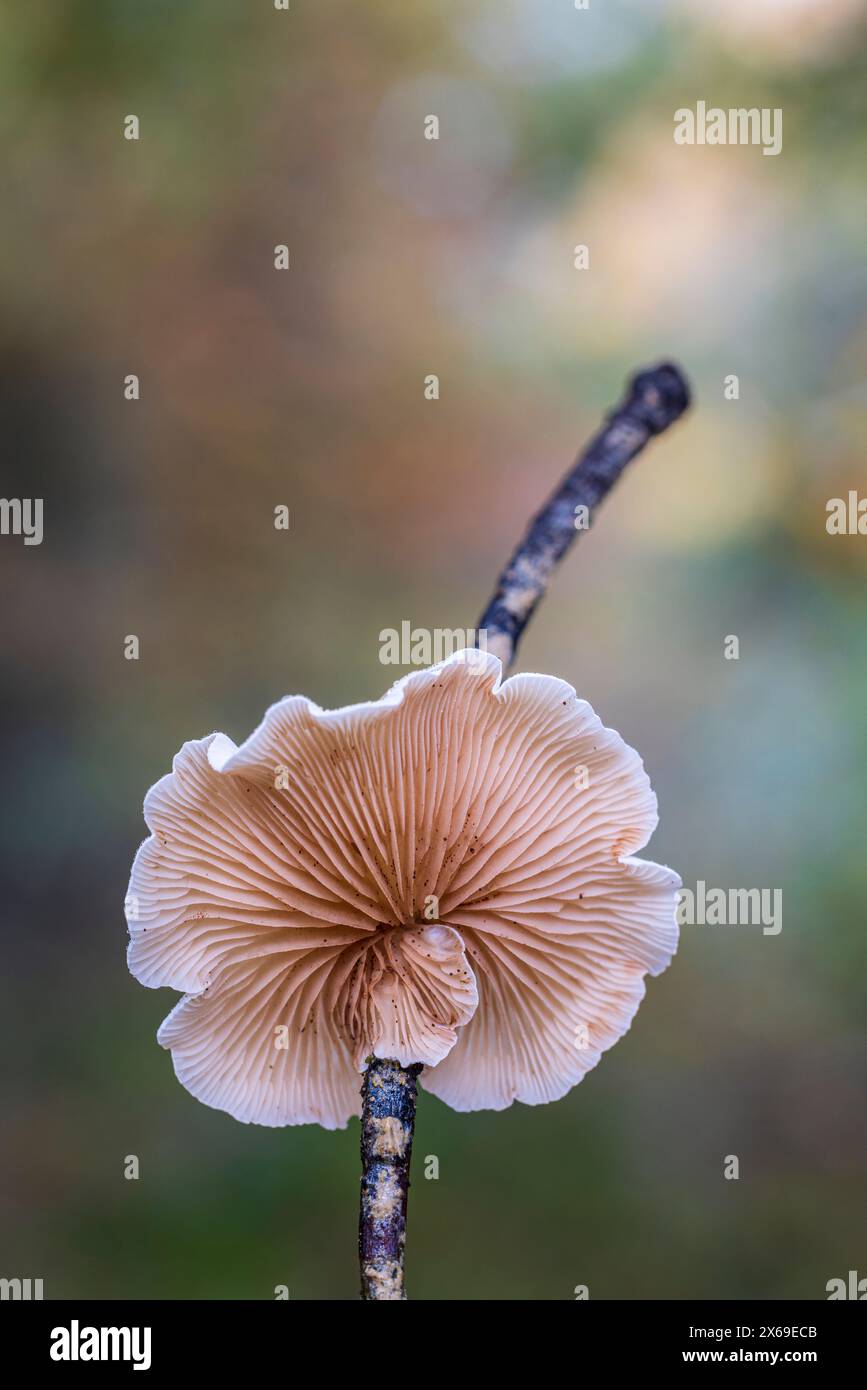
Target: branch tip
point(654, 399)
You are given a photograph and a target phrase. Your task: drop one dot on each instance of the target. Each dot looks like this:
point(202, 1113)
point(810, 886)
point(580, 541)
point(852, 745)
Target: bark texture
point(388, 1096)
point(654, 400)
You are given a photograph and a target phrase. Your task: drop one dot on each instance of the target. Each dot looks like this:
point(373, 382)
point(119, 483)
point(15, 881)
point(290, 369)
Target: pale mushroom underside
point(444, 876)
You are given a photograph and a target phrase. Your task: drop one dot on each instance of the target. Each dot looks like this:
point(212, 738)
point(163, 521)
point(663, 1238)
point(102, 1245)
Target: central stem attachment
point(388, 1095)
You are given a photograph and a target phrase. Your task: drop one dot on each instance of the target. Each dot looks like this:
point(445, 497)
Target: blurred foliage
point(257, 389)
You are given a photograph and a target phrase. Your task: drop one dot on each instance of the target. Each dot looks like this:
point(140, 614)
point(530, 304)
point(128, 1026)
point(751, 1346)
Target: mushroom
point(442, 883)
point(442, 877)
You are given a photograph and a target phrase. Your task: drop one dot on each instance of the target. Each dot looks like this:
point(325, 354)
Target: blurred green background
point(305, 388)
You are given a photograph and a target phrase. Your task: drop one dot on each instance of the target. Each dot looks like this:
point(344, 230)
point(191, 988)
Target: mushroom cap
point(443, 876)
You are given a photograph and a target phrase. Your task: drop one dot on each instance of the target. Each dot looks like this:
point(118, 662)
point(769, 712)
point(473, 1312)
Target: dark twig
point(653, 401)
point(387, 1119)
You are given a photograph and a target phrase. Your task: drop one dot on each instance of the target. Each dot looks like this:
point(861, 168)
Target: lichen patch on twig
point(385, 1280)
point(388, 1193)
point(389, 1137)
